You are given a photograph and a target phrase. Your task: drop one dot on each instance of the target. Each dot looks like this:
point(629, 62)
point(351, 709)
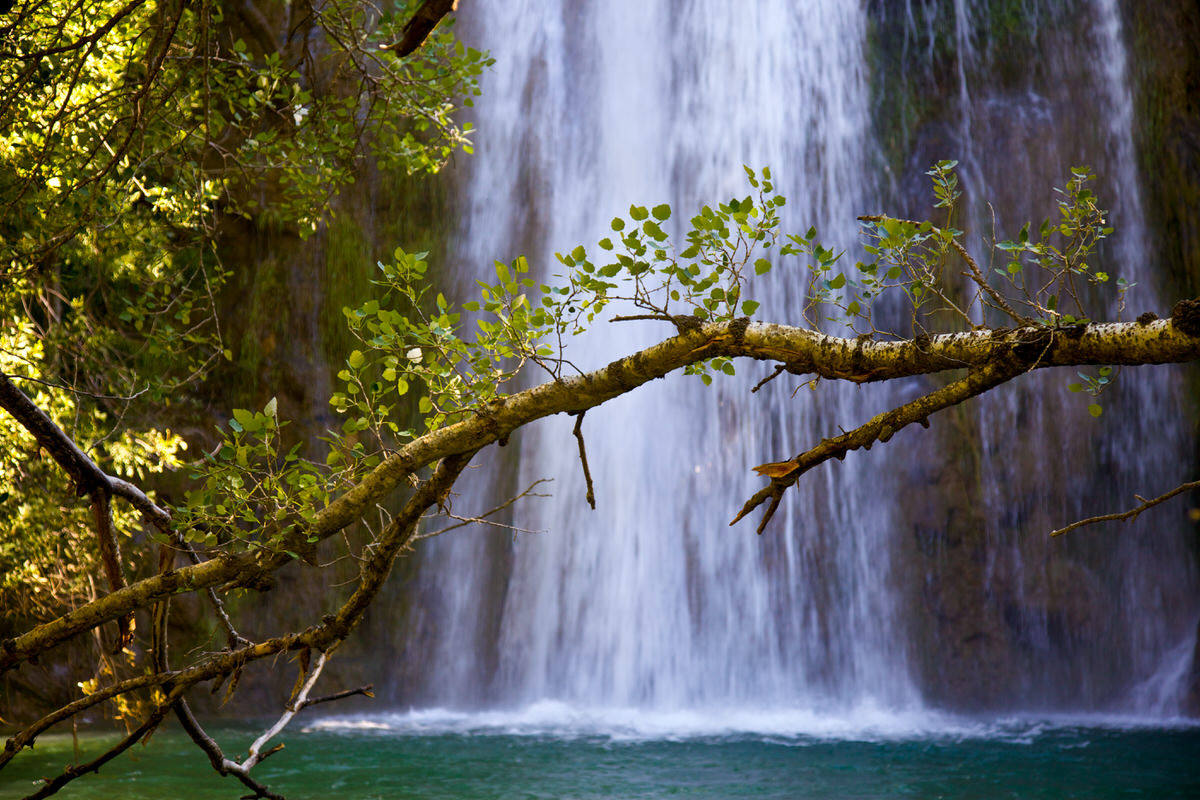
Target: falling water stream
point(651, 601)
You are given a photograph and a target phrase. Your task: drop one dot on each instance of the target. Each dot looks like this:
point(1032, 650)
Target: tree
point(257, 502)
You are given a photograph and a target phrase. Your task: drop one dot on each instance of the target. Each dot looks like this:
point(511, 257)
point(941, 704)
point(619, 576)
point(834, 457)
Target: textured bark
point(801, 351)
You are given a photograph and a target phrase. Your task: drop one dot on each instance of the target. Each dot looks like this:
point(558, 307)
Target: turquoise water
point(441, 755)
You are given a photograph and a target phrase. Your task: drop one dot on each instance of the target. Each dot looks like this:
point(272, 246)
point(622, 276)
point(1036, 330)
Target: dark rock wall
point(1002, 617)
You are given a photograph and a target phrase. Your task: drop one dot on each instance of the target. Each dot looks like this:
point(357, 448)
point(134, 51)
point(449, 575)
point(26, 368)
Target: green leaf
point(661, 213)
point(838, 282)
point(425, 405)
point(1095, 410)
point(1075, 387)
point(762, 266)
point(244, 418)
point(749, 307)
point(638, 213)
point(618, 224)
point(356, 359)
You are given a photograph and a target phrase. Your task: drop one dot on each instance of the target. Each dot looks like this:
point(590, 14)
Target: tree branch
point(801, 351)
point(1131, 514)
point(587, 473)
point(420, 25)
point(880, 428)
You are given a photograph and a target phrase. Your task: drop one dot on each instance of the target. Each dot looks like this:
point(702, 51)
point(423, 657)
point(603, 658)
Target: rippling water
point(554, 751)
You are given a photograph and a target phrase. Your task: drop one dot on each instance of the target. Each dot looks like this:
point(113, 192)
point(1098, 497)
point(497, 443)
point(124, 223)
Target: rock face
point(1001, 616)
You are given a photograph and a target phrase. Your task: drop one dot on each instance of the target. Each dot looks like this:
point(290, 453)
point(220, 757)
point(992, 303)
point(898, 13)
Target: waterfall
point(848, 600)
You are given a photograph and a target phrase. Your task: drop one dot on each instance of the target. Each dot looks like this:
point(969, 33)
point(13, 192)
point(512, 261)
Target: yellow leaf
point(777, 469)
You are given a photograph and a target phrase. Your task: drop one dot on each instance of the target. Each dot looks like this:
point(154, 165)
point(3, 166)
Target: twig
point(482, 519)
point(587, 473)
point(1131, 514)
point(779, 370)
point(234, 639)
point(976, 273)
point(365, 691)
point(636, 317)
point(81, 392)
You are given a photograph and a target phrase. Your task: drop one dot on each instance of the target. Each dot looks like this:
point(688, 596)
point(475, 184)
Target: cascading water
point(1102, 619)
point(651, 601)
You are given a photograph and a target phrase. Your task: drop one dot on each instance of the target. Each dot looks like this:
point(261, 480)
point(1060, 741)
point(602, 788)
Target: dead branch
point(482, 519)
point(365, 691)
point(1131, 514)
point(216, 756)
point(880, 428)
point(72, 772)
point(587, 473)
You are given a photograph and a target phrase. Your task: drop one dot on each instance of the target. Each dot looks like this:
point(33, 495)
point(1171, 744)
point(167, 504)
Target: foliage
point(413, 342)
point(129, 129)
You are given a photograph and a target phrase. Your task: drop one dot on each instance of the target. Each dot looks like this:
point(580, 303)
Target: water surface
point(553, 751)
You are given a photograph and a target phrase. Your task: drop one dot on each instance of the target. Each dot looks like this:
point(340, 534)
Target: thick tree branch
point(801, 351)
point(83, 471)
point(421, 24)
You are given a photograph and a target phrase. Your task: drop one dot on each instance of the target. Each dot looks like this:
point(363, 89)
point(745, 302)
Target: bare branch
point(880, 428)
point(1131, 514)
point(365, 691)
point(482, 519)
point(587, 473)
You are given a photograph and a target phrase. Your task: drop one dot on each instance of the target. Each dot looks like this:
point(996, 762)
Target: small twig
point(779, 370)
point(234, 639)
point(636, 317)
point(1132, 513)
point(81, 392)
point(976, 274)
point(365, 691)
point(587, 473)
point(482, 519)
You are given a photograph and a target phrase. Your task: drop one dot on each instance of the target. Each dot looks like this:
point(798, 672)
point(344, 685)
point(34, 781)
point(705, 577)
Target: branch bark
point(1131, 514)
point(801, 351)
